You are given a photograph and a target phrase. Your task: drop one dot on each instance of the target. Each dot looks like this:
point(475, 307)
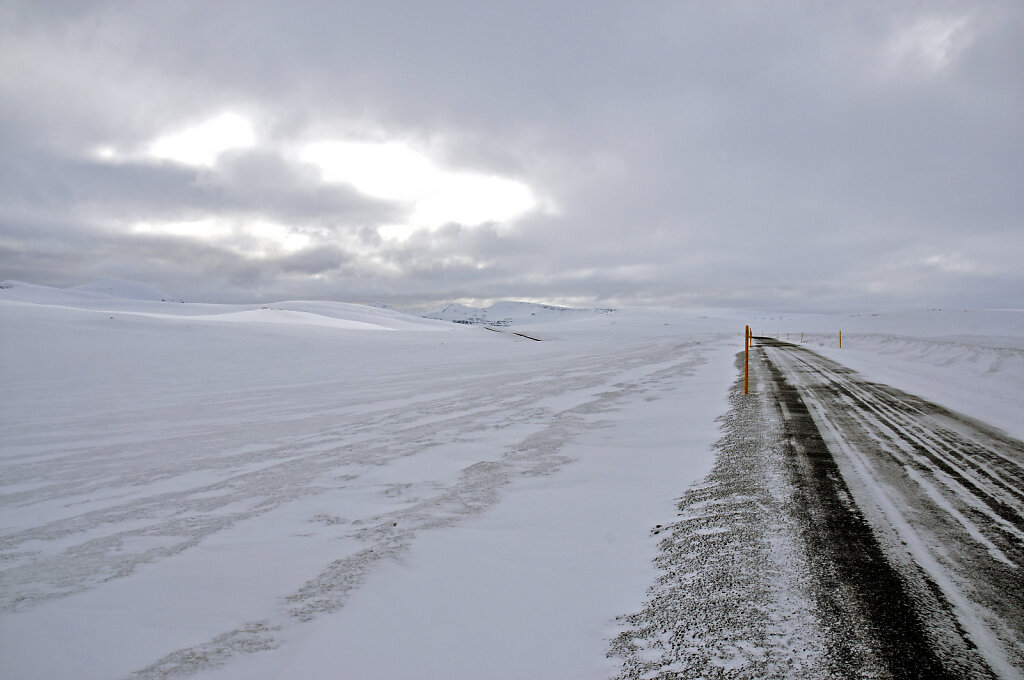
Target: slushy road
point(916, 515)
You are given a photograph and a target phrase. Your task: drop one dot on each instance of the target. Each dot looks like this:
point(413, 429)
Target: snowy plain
point(318, 489)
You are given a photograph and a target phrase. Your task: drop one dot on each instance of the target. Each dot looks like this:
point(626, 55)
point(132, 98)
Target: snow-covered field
point(315, 489)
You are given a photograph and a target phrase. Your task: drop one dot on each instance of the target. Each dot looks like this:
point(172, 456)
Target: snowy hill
point(97, 290)
point(507, 313)
point(129, 290)
point(328, 313)
point(141, 302)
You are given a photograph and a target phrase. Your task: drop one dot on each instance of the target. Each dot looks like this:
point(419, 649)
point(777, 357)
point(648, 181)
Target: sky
point(813, 156)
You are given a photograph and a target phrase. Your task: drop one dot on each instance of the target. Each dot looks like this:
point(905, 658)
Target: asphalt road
point(847, 530)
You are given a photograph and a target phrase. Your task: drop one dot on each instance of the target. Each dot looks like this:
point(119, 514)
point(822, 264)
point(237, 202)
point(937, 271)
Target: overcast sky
point(823, 156)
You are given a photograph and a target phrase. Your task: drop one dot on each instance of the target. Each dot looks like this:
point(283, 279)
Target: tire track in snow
point(942, 495)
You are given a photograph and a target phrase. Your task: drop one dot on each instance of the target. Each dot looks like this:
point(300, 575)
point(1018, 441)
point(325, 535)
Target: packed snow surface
point(319, 489)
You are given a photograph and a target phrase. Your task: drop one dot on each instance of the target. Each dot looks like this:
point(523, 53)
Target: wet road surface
point(847, 530)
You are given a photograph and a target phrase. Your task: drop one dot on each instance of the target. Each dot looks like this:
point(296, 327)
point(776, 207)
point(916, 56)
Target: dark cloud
point(314, 261)
point(798, 155)
point(244, 183)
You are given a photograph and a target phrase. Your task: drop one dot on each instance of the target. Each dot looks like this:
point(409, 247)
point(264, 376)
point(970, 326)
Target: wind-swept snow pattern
point(202, 490)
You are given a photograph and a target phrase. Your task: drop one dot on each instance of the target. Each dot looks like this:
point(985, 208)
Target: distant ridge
point(508, 313)
point(129, 290)
point(100, 289)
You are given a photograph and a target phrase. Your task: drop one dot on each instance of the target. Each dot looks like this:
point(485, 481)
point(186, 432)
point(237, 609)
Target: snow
point(530, 588)
point(320, 489)
point(131, 290)
point(970, 361)
point(509, 312)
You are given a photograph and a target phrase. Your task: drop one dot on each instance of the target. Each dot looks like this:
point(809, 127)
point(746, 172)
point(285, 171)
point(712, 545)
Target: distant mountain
point(508, 313)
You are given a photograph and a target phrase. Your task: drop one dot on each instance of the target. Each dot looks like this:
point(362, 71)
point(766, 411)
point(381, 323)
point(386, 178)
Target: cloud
point(314, 261)
point(929, 45)
point(435, 195)
point(202, 144)
point(794, 155)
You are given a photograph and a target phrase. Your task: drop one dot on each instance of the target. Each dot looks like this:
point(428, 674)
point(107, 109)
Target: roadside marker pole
point(801, 338)
point(840, 339)
point(746, 360)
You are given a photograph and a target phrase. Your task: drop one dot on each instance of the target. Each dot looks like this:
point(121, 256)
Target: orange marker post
point(746, 360)
point(840, 339)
